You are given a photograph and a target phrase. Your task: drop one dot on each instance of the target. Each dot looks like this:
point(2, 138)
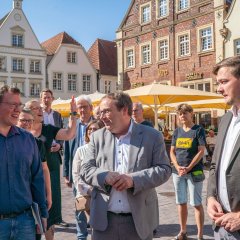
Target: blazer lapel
point(110, 143)
point(55, 118)
point(221, 137)
point(135, 145)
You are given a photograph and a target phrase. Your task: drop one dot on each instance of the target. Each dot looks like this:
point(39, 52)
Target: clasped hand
point(119, 181)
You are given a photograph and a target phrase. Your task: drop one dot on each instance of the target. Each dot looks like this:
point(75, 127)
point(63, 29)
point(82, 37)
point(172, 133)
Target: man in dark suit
point(124, 168)
point(54, 118)
point(223, 197)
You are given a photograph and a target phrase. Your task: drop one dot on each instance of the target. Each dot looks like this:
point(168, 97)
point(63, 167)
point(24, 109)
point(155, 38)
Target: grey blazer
point(233, 169)
point(148, 165)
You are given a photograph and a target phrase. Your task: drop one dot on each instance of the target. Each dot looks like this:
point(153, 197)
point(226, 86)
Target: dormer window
point(17, 40)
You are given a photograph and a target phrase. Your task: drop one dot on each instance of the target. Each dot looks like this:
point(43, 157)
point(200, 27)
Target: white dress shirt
point(118, 201)
point(48, 119)
point(229, 143)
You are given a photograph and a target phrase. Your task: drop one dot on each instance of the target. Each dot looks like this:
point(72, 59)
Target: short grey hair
point(28, 103)
point(139, 104)
point(85, 98)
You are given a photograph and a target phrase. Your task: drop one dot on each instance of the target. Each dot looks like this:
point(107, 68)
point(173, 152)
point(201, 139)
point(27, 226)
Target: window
point(20, 86)
point(86, 83)
point(17, 40)
point(72, 82)
point(17, 65)
point(130, 58)
point(145, 13)
point(206, 39)
point(57, 81)
point(162, 8)
point(71, 57)
point(35, 89)
point(184, 45)
point(35, 66)
point(107, 86)
point(2, 63)
point(199, 85)
point(146, 54)
point(163, 49)
point(182, 4)
point(237, 47)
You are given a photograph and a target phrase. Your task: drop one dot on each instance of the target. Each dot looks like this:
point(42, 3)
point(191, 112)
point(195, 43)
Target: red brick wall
point(176, 68)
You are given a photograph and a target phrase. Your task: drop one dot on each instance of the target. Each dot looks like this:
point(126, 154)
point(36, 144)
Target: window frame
point(57, 81)
point(166, 38)
point(141, 53)
point(158, 11)
point(3, 63)
point(72, 83)
point(36, 89)
point(34, 61)
point(86, 83)
point(178, 9)
point(148, 4)
point(107, 86)
point(198, 82)
point(18, 69)
point(178, 35)
point(71, 57)
point(17, 35)
point(126, 57)
point(236, 48)
point(199, 38)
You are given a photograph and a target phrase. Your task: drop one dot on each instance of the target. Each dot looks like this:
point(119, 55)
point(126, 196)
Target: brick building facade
point(168, 41)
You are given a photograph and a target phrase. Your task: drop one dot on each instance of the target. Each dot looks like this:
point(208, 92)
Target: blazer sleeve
point(159, 171)
point(66, 159)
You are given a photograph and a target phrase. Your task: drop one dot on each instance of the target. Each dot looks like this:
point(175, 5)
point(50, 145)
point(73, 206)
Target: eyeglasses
point(28, 121)
point(93, 129)
point(14, 105)
point(35, 108)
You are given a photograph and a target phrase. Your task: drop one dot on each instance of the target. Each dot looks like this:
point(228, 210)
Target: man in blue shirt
point(21, 176)
point(84, 108)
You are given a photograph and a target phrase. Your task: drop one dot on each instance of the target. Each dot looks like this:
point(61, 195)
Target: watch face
point(17, 17)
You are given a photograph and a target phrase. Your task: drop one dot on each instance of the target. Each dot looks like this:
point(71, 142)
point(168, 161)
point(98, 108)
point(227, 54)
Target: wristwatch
point(73, 113)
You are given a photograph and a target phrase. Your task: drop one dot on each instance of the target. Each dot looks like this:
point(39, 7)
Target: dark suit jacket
point(233, 169)
point(148, 165)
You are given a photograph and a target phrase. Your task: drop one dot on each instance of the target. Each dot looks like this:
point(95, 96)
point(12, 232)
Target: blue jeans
point(82, 231)
point(183, 185)
point(18, 228)
point(81, 223)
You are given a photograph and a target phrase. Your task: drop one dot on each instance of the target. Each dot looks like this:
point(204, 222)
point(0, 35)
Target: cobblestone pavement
point(168, 227)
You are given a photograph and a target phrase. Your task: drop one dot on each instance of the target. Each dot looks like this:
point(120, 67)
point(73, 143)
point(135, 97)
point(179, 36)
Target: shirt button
point(119, 200)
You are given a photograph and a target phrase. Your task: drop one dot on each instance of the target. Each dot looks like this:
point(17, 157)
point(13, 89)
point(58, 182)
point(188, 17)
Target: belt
point(122, 214)
point(13, 215)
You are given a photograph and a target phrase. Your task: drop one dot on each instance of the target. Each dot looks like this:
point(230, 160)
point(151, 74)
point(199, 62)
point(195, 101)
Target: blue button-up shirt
point(21, 175)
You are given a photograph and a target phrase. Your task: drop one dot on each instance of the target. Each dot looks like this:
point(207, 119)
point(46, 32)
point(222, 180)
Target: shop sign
point(194, 76)
point(163, 73)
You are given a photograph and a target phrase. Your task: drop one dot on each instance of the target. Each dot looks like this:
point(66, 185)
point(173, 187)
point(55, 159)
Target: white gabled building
point(22, 59)
point(69, 70)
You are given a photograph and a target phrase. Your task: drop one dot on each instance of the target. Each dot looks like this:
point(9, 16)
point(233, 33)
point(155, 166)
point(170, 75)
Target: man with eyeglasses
point(84, 110)
point(21, 175)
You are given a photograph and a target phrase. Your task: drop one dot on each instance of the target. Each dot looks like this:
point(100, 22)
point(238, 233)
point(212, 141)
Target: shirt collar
point(235, 111)
point(129, 132)
point(13, 131)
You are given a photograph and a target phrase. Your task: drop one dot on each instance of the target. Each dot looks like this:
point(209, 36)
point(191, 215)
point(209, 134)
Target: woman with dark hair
point(82, 189)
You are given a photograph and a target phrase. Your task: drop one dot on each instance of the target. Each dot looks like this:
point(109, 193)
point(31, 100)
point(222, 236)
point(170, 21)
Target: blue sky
point(84, 20)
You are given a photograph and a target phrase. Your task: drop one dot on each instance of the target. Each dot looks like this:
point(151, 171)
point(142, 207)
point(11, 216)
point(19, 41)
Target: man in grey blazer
point(223, 202)
point(124, 164)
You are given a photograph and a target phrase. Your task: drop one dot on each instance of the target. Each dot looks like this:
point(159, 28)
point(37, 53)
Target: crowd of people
point(113, 159)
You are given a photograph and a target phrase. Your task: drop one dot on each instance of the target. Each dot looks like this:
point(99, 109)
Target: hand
point(214, 209)
point(181, 171)
point(55, 147)
point(111, 178)
point(230, 221)
point(123, 182)
point(49, 201)
point(73, 105)
point(44, 223)
point(67, 182)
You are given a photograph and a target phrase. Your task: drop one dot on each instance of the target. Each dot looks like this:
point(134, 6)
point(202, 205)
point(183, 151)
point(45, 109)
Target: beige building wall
point(59, 64)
